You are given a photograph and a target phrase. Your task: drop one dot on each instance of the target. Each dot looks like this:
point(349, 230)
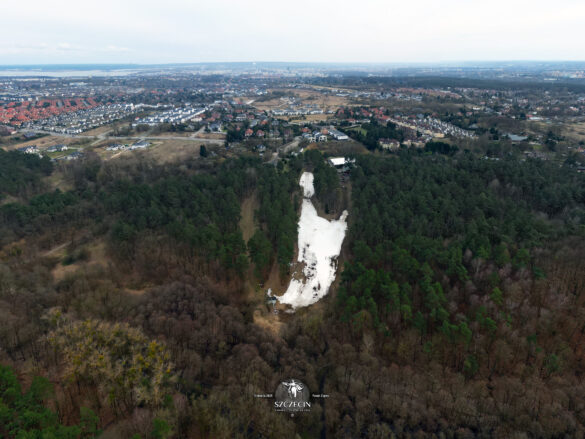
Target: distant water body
point(37, 73)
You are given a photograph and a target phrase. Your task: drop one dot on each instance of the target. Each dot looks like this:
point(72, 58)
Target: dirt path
point(55, 250)
point(247, 225)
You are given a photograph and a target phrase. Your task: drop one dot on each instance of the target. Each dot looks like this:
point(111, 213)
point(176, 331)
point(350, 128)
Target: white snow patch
point(306, 183)
point(319, 246)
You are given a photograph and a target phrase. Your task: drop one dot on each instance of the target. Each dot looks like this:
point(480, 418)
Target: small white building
point(140, 145)
point(337, 135)
point(341, 163)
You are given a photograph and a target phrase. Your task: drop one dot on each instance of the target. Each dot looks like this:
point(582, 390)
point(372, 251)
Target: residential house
point(57, 148)
point(390, 144)
point(319, 137)
point(140, 145)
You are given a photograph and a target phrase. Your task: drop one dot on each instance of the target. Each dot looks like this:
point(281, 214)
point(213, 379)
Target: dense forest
point(152, 219)
point(458, 312)
point(20, 174)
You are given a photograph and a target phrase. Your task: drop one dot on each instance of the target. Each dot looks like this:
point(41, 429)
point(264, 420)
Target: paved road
point(284, 150)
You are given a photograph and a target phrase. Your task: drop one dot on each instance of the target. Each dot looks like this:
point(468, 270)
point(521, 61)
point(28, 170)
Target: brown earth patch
point(247, 225)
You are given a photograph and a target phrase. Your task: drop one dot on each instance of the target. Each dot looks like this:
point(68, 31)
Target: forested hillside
point(458, 313)
point(20, 174)
point(469, 267)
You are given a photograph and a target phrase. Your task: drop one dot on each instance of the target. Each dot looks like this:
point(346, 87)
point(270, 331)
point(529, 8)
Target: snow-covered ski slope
point(319, 246)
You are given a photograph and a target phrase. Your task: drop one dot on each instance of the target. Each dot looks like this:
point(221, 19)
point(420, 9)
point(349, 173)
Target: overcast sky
point(146, 31)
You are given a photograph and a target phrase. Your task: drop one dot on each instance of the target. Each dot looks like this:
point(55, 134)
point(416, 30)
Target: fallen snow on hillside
point(319, 246)
point(306, 182)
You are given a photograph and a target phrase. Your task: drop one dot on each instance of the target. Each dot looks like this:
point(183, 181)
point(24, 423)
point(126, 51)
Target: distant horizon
point(456, 63)
point(373, 31)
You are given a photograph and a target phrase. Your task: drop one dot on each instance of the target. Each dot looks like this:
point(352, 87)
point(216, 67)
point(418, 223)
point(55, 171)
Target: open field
point(307, 96)
point(99, 130)
point(308, 118)
point(168, 151)
point(575, 131)
point(212, 136)
point(173, 134)
point(357, 129)
point(59, 154)
point(165, 151)
point(316, 97)
point(44, 142)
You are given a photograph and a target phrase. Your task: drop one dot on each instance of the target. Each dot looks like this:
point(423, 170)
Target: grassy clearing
point(169, 151)
point(96, 256)
point(358, 130)
point(57, 180)
point(247, 224)
point(99, 130)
